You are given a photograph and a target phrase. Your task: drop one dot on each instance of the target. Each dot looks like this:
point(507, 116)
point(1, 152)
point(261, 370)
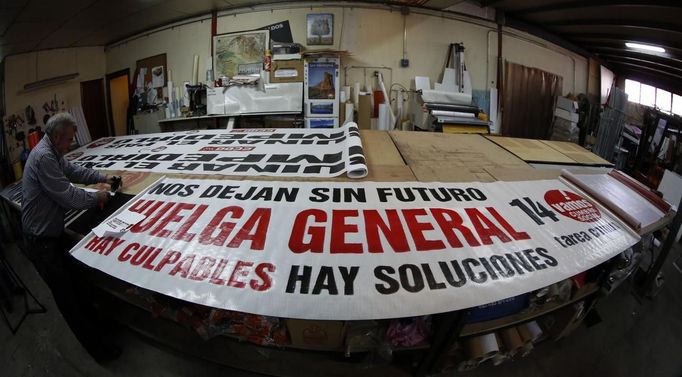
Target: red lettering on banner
point(182, 233)
point(93, 243)
point(124, 256)
point(316, 233)
point(519, 236)
point(206, 237)
point(203, 269)
point(262, 270)
point(485, 228)
point(242, 269)
point(170, 258)
point(148, 222)
point(339, 230)
point(171, 217)
point(215, 277)
point(183, 266)
point(448, 227)
point(394, 232)
point(417, 230)
point(261, 220)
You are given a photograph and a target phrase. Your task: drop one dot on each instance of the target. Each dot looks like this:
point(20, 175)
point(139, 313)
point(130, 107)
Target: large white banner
point(363, 250)
point(257, 151)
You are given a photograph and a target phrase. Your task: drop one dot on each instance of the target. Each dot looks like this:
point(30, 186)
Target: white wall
point(88, 62)
point(374, 37)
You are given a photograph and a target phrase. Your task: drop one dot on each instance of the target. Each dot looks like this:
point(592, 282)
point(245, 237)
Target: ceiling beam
point(597, 3)
point(642, 27)
point(614, 22)
point(620, 39)
point(648, 69)
point(645, 63)
point(661, 58)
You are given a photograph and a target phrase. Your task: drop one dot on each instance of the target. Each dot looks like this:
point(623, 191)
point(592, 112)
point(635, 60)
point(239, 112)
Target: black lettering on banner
point(164, 157)
point(550, 260)
point(430, 279)
point(416, 283)
point(295, 277)
point(317, 169)
point(325, 280)
point(458, 279)
point(384, 273)
point(198, 157)
point(309, 158)
point(502, 266)
point(481, 277)
point(489, 268)
point(356, 150)
point(534, 259)
point(348, 276)
point(518, 260)
point(319, 195)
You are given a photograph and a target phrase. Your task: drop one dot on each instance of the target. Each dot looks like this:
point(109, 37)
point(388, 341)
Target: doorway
point(119, 96)
point(94, 109)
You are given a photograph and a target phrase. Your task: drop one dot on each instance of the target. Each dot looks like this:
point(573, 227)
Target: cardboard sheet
point(576, 153)
point(531, 150)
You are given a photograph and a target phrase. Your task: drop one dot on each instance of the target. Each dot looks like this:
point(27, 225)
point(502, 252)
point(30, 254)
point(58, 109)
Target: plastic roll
point(529, 331)
point(482, 348)
point(342, 96)
point(169, 77)
point(512, 340)
point(356, 94)
point(195, 70)
point(349, 113)
point(346, 90)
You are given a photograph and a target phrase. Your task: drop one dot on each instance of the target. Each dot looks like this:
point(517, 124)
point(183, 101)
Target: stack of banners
point(250, 152)
point(354, 250)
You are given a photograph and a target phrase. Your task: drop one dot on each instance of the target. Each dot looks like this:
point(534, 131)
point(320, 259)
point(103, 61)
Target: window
point(677, 104)
point(632, 89)
point(663, 100)
point(648, 95)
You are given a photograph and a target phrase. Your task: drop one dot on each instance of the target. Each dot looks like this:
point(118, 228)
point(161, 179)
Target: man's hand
point(102, 198)
point(115, 182)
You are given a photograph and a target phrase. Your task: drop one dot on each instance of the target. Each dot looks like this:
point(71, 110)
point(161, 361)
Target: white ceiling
point(31, 25)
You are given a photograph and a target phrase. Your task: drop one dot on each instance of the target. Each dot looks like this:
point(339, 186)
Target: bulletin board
point(150, 63)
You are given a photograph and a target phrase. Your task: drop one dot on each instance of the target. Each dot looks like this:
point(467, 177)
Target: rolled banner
point(512, 341)
point(481, 348)
point(529, 331)
point(356, 165)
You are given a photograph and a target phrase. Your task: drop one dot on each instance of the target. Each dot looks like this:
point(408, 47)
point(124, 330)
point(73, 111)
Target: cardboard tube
point(512, 340)
point(482, 348)
point(349, 113)
point(529, 331)
point(365, 112)
point(356, 95)
point(195, 70)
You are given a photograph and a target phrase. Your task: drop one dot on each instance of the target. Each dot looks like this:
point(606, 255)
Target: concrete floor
point(634, 339)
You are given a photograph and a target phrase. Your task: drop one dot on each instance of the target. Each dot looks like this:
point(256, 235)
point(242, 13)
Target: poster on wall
point(320, 29)
point(354, 250)
point(251, 152)
point(239, 53)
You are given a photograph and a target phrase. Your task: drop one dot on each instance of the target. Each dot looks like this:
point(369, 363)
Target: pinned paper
point(118, 224)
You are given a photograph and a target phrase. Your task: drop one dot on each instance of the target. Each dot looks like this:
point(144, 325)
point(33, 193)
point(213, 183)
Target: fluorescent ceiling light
point(639, 46)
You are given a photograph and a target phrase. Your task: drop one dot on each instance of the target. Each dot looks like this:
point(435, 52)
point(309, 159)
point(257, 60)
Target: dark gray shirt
point(48, 193)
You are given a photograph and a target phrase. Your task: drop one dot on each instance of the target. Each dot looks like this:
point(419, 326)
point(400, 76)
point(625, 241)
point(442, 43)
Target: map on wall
point(239, 53)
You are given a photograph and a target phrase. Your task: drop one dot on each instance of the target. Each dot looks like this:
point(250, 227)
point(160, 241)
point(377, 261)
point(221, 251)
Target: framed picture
point(320, 29)
point(239, 53)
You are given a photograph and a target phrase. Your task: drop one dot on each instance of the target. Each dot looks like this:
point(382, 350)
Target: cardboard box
point(286, 71)
point(567, 104)
point(320, 335)
point(565, 114)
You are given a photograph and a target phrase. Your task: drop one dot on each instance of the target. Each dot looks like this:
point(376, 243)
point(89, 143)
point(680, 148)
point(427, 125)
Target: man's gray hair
point(58, 122)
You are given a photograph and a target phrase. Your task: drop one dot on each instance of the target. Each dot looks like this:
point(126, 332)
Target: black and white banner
point(251, 152)
point(359, 250)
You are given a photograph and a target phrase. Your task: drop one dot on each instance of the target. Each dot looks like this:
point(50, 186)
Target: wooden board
point(379, 148)
point(458, 150)
point(530, 150)
point(576, 153)
point(442, 171)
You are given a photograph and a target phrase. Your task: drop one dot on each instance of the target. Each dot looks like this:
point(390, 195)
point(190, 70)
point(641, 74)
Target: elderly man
point(47, 195)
